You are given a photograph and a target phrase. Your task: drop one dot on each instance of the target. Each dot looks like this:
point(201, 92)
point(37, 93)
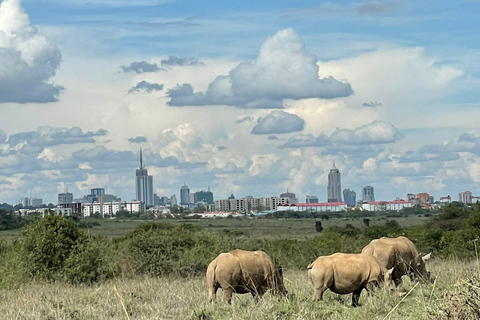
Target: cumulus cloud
point(376, 132)
point(278, 122)
point(372, 104)
point(140, 67)
point(307, 140)
point(144, 86)
point(27, 59)
point(176, 61)
point(283, 70)
point(137, 139)
point(49, 136)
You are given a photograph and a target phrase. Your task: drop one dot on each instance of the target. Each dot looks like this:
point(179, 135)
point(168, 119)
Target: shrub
point(163, 249)
point(45, 245)
point(90, 261)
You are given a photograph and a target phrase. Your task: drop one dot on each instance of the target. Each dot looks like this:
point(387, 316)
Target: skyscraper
point(350, 197)
point(144, 185)
point(368, 194)
point(184, 195)
point(334, 185)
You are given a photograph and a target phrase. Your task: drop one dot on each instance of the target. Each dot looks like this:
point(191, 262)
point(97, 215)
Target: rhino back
point(245, 270)
point(344, 273)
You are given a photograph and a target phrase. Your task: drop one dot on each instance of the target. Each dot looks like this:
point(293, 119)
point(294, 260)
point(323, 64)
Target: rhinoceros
point(243, 271)
point(345, 273)
point(402, 255)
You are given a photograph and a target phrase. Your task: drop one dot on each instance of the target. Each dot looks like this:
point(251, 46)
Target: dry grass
point(174, 298)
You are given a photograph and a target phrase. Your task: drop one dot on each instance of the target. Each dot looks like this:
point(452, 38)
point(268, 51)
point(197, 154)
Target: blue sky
point(244, 97)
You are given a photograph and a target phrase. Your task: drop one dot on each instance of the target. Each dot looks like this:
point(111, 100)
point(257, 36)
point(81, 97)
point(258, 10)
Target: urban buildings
point(368, 194)
point(334, 189)
point(144, 185)
point(311, 199)
point(350, 197)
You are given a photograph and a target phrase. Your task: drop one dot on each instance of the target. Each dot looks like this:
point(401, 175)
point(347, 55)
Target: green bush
point(163, 249)
point(45, 245)
point(91, 260)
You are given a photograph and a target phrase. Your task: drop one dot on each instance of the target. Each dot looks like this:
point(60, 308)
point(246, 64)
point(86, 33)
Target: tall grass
point(145, 297)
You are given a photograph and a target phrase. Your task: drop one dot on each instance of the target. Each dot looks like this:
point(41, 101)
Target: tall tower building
point(368, 194)
point(144, 185)
point(334, 185)
point(184, 195)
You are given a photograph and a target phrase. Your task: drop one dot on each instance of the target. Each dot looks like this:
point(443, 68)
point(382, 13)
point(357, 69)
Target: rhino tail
point(211, 281)
point(211, 273)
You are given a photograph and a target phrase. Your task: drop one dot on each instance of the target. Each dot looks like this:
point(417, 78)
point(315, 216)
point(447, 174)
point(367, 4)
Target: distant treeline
point(56, 248)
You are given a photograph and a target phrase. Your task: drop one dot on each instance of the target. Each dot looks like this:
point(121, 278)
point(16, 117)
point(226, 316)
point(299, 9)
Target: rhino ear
point(426, 257)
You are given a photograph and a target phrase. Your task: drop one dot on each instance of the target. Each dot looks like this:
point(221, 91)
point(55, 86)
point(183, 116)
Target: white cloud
point(278, 122)
point(27, 59)
point(283, 70)
point(376, 132)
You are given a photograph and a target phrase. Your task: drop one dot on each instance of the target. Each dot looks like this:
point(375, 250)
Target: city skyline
point(250, 98)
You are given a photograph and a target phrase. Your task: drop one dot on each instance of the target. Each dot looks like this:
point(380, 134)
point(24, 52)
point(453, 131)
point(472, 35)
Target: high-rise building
point(334, 185)
point(311, 199)
point(204, 196)
point(368, 194)
point(350, 197)
point(66, 197)
point(144, 185)
point(184, 195)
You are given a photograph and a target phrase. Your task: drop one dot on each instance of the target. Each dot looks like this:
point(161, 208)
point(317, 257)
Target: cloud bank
point(377, 132)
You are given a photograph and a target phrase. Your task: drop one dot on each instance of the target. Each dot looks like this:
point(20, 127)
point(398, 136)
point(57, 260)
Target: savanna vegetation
point(58, 268)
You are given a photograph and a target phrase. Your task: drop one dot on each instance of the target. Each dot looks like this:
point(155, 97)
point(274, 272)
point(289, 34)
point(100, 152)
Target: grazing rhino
point(345, 273)
point(242, 271)
point(402, 255)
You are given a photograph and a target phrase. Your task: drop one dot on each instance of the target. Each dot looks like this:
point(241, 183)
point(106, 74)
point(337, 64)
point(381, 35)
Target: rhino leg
point(318, 295)
point(227, 295)
point(356, 297)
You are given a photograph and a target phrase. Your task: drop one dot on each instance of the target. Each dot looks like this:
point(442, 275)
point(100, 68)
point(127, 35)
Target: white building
point(112, 208)
point(315, 207)
point(386, 205)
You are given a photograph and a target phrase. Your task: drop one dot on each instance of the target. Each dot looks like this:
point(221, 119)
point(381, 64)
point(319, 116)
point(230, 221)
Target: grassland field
point(453, 295)
point(187, 298)
point(249, 227)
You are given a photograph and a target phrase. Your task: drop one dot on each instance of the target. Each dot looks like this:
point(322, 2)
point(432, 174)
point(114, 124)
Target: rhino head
point(420, 272)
